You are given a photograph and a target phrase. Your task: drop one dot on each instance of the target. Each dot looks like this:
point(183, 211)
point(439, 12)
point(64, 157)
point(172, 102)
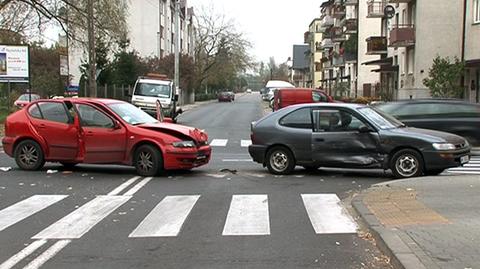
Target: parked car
point(226, 97)
point(447, 115)
point(25, 99)
point(271, 86)
point(101, 131)
point(351, 136)
point(293, 96)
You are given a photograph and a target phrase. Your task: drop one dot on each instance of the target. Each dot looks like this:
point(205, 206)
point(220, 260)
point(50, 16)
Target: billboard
point(14, 63)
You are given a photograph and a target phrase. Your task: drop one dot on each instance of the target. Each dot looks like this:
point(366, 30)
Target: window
point(318, 97)
point(34, 111)
point(335, 121)
point(298, 119)
point(54, 112)
point(476, 11)
point(91, 117)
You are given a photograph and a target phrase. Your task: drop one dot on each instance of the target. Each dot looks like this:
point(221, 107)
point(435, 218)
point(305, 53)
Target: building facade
point(472, 50)
point(151, 31)
point(314, 40)
point(301, 66)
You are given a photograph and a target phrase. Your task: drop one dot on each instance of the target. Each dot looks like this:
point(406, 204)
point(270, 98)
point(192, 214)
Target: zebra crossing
point(470, 168)
point(224, 142)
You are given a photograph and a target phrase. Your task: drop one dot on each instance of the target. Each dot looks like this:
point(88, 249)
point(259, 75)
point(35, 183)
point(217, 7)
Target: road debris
point(52, 171)
point(5, 169)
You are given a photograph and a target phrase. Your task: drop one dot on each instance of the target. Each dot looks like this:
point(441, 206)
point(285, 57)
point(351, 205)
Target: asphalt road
point(241, 217)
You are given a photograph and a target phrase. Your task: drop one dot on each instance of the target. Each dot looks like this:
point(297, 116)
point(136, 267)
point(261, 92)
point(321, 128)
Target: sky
point(273, 26)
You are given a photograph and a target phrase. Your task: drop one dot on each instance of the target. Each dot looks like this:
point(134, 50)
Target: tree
point(444, 78)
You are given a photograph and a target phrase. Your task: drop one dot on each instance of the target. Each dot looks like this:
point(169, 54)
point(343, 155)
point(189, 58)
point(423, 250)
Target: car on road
point(226, 97)
point(271, 86)
point(351, 136)
point(101, 131)
point(447, 115)
point(249, 91)
point(292, 96)
point(25, 99)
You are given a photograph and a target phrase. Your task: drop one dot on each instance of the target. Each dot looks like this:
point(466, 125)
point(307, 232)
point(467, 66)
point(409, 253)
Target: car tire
point(280, 161)
point(434, 172)
point(406, 163)
point(148, 161)
point(29, 155)
point(68, 165)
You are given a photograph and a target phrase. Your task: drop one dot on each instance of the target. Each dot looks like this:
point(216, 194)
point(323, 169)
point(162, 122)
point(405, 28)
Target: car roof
point(104, 101)
point(344, 105)
point(430, 100)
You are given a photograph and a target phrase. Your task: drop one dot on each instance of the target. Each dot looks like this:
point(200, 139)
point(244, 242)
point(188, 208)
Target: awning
point(383, 61)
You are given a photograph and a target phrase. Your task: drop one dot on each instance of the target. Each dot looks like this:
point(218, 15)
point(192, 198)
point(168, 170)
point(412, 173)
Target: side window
point(318, 97)
point(54, 111)
point(92, 117)
point(335, 121)
point(298, 119)
point(34, 111)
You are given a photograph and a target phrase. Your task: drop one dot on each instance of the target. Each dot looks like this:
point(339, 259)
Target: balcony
point(350, 2)
point(351, 26)
point(327, 21)
point(339, 12)
point(327, 65)
point(327, 43)
point(318, 46)
point(376, 9)
point(402, 35)
point(350, 57)
point(376, 45)
point(338, 61)
point(338, 2)
point(338, 35)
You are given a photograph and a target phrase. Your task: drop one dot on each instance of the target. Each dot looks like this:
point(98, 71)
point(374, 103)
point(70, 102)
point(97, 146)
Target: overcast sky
point(273, 26)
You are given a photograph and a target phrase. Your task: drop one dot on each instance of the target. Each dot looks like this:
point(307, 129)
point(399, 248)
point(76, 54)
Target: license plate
point(464, 159)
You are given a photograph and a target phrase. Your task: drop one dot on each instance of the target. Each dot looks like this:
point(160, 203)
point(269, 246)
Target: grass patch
point(3, 115)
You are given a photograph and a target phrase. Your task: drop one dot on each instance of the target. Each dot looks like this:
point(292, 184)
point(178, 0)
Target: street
point(229, 214)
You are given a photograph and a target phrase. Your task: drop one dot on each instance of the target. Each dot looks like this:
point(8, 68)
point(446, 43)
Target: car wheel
point(434, 172)
point(148, 160)
point(280, 161)
point(68, 165)
point(29, 155)
point(406, 163)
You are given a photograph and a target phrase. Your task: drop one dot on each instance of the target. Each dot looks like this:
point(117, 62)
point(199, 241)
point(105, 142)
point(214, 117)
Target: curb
point(391, 241)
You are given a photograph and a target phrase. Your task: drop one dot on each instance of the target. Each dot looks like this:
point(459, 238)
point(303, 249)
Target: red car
point(25, 98)
point(226, 97)
point(101, 131)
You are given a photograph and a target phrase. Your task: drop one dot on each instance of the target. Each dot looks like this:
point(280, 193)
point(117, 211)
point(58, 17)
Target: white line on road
point(219, 142)
point(167, 218)
point(245, 143)
point(248, 215)
point(47, 255)
point(137, 187)
point(27, 251)
point(80, 221)
point(26, 208)
point(123, 186)
point(464, 169)
point(327, 215)
point(236, 160)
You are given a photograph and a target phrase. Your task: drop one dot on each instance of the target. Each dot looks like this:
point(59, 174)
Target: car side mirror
point(364, 129)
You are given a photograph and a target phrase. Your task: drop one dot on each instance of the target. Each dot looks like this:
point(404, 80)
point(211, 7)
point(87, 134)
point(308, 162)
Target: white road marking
point(120, 188)
point(26, 208)
point(80, 221)
point(248, 215)
point(167, 218)
point(464, 169)
point(47, 255)
point(327, 215)
point(245, 143)
point(219, 142)
point(27, 251)
point(236, 160)
point(137, 187)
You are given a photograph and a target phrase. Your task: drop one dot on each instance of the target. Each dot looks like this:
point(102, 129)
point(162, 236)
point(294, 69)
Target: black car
point(351, 136)
point(447, 115)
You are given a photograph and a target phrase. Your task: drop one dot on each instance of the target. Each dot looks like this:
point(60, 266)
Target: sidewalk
point(428, 222)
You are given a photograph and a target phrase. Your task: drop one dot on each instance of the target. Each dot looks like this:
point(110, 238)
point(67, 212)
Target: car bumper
point(7, 143)
point(186, 158)
point(257, 152)
point(444, 159)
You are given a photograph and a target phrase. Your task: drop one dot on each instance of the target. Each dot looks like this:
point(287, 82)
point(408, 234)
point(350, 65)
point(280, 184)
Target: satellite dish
point(389, 11)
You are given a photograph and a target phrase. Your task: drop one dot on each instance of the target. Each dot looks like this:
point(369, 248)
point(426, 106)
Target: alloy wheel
point(145, 161)
point(279, 161)
point(28, 155)
point(407, 165)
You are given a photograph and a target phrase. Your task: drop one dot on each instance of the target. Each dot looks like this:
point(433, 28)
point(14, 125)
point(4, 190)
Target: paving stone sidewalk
point(428, 222)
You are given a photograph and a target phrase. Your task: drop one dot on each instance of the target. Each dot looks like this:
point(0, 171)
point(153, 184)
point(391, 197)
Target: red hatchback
point(101, 131)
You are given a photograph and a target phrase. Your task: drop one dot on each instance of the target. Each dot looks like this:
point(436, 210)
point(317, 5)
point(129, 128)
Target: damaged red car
point(101, 131)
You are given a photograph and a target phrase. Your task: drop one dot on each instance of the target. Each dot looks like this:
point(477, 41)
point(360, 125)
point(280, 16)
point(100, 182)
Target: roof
point(90, 100)
point(346, 105)
point(299, 57)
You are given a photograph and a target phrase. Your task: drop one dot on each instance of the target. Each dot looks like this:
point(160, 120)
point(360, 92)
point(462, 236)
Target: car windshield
point(25, 97)
point(131, 114)
point(380, 119)
point(155, 90)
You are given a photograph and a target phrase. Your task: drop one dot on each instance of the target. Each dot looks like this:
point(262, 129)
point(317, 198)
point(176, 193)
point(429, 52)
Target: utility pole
point(92, 81)
point(176, 81)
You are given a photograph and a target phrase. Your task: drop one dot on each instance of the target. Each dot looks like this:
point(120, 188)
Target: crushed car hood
point(181, 131)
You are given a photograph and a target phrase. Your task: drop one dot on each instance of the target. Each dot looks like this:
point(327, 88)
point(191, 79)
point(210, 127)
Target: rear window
point(54, 112)
point(301, 119)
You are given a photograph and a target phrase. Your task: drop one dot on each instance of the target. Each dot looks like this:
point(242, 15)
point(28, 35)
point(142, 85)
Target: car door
point(296, 133)
point(339, 141)
point(55, 125)
point(103, 140)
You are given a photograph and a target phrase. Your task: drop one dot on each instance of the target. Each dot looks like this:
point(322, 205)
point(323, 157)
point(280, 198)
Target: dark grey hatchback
point(351, 136)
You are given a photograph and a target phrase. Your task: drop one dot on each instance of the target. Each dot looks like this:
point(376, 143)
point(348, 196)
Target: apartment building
point(343, 51)
point(314, 40)
point(413, 33)
point(472, 50)
point(151, 31)
point(301, 66)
